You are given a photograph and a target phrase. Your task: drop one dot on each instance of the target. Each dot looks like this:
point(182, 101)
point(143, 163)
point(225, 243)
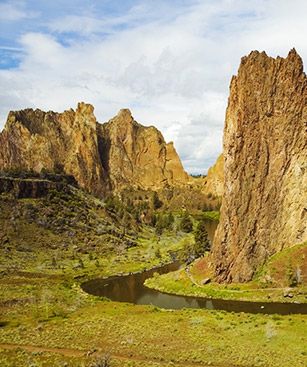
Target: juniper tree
point(202, 243)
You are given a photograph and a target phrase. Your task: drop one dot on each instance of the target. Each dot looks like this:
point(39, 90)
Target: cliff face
point(114, 155)
point(33, 140)
point(30, 188)
point(264, 206)
point(213, 183)
point(138, 156)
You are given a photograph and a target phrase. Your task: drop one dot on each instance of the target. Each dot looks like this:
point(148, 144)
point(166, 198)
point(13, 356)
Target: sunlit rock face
point(213, 183)
point(264, 205)
point(68, 142)
point(101, 157)
point(138, 156)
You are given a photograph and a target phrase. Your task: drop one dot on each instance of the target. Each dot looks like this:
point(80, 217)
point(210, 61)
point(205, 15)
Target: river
point(130, 288)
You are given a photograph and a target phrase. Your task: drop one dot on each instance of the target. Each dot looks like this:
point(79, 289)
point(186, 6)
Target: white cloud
point(171, 70)
point(12, 11)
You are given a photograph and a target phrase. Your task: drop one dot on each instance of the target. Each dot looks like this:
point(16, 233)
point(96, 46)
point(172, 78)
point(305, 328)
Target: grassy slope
point(144, 335)
point(268, 285)
point(51, 311)
point(41, 303)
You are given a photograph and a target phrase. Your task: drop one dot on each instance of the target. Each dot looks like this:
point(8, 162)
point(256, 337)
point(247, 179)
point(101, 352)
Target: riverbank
point(180, 283)
point(274, 282)
point(148, 336)
point(47, 320)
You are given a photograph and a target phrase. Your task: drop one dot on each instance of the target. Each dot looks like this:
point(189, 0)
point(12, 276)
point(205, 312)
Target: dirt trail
point(87, 353)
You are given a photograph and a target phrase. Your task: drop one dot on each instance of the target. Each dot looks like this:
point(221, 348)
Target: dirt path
point(87, 353)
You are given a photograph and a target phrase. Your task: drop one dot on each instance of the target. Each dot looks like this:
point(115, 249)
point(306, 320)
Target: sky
point(170, 62)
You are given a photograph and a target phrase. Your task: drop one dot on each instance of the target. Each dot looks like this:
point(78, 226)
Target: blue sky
point(170, 62)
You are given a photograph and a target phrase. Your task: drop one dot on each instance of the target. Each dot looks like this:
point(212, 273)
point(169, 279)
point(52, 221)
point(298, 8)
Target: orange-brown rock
point(36, 140)
point(213, 183)
point(101, 157)
point(264, 205)
point(137, 156)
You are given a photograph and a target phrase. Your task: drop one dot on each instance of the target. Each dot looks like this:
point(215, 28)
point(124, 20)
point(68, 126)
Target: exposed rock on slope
point(36, 140)
point(264, 206)
point(23, 188)
point(114, 155)
point(137, 156)
point(213, 183)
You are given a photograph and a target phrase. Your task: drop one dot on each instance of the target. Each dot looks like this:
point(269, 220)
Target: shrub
point(157, 203)
point(186, 224)
point(293, 276)
point(104, 361)
point(158, 254)
point(202, 243)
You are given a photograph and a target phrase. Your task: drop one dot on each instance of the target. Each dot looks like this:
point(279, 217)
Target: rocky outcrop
point(264, 205)
point(30, 188)
point(137, 156)
point(101, 157)
point(67, 142)
point(213, 183)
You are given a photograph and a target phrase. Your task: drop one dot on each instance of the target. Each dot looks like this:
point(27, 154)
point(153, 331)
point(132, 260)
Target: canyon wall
point(102, 157)
point(137, 156)
point(264, 206)
point(37, 140)
point(213, 183)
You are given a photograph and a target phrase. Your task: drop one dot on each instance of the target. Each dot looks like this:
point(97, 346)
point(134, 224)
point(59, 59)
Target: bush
point(104, 361)
point(186, 224)
point(158, 254)
point(293, 276)
point(162, 221)
point(157, 203)
point(202, 243)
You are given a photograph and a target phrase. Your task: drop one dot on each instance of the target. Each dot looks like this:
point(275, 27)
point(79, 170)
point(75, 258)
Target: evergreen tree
point(159, 228)
point(186, 224)
point(157, 203)
point(186, 255)
point(170, 220)
point(202, 243)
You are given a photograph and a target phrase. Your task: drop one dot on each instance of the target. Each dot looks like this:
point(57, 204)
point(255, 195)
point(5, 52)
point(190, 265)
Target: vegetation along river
point(130, 288)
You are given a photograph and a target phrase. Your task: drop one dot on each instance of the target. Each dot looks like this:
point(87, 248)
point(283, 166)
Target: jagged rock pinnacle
point(265, 150)
point(125, 115)
point(118, 154)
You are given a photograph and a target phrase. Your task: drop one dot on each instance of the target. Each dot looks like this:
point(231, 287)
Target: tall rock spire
point(264, 206)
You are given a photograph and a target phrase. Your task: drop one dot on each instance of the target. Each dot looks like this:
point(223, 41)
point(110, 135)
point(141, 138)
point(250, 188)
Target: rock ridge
point(138, 156)
point(66, 142)
point(102, 157)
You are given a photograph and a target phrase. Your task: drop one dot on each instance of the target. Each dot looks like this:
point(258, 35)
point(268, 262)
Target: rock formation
point(137, 156)
point(36, 140)
point(213, 183)
point(264, 206)
point(30, 188)
point(101, 157)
